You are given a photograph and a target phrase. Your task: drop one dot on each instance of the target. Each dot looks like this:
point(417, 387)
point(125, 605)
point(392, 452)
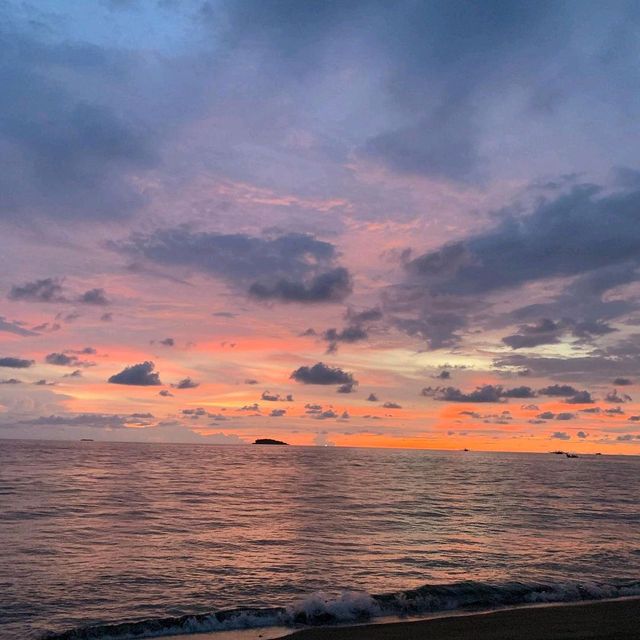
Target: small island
point(269, 441)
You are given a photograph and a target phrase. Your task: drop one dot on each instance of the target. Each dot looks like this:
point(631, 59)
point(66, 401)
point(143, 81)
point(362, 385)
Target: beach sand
point(604, 620)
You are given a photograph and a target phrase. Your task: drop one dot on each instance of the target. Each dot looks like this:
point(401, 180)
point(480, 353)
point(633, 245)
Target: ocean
point(104, 540)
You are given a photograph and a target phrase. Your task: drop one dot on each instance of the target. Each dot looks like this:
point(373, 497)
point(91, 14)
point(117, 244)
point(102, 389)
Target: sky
point(362, 223)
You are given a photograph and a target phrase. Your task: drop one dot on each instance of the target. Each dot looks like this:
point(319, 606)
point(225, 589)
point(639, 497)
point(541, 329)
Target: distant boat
point(559, 453)
point(598, 454)
point(86, 439)
point(571, 455)
point(269, 441)
point(465, 449)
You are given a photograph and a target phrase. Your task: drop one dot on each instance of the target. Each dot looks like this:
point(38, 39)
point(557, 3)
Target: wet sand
point(604, 620)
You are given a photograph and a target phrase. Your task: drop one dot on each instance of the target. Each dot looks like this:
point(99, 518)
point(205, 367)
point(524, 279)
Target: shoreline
point(617, 619)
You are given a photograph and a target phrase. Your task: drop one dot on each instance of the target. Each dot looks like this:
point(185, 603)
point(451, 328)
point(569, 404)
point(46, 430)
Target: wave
point(355, 606)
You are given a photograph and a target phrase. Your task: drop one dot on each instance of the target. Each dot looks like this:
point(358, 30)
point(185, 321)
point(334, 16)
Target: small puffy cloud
point(546, 415)
point(392, 405)
point(16, 363)
point(443, 375)
point(96, 297)
point(66, 360)
point(45, 290)
point(251, 381)
point(560, 435)
point(581, 397)
point(186, 383)
point(350, 334)
point(622, 382)
point(277, 413)
point(348, 387)
point(141, 375)
point(165, 393)
point(74, 374)
point(11, 381)
point(372, 397)
point(168, 342)
point(322, 374)
point(616, 398)
point(327, 414)
point(565, 416)
point(582, 435)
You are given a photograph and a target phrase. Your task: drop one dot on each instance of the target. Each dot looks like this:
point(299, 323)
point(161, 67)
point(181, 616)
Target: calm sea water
point(95, 533)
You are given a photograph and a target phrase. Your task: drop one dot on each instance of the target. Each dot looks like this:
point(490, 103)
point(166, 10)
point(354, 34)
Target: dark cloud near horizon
point(141, 375)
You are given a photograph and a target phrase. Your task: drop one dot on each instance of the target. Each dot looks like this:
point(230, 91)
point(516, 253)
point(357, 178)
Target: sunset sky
point(361, 223)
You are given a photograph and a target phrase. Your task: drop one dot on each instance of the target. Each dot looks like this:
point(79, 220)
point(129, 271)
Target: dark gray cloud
point(74, 374)
point(350, 334)
point(322, 374)
point(348, 387)
point(519, 392)
point(141, 375)
point(392, 405)
point(45, 290)
point(165, 393)
point(560, 435)
point(94, 296)
point(72, 160)
point(546, 331)
point(277, 413)
point(291, 267)
point(61, 359)
point(617, 398)
point(443, 375)
point(582, 397)
point(16, 328)
point(365, 316)
point(11, 381)
point(275, 397)
point(578, 232)
point(16, 363)
point(588, 235)
point(485, 393)
point(69, 358)
point(622, 382)
point(331, 286)
point(372, 397)
point(558, 390)
point(168, 342)
point(251, 381)
point(185, 383)
point(51, 290)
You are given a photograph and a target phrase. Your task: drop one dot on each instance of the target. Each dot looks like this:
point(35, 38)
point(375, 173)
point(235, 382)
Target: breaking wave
point(355, 606)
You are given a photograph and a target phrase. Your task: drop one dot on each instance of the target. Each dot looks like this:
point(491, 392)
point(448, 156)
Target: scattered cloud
point(141, 375)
